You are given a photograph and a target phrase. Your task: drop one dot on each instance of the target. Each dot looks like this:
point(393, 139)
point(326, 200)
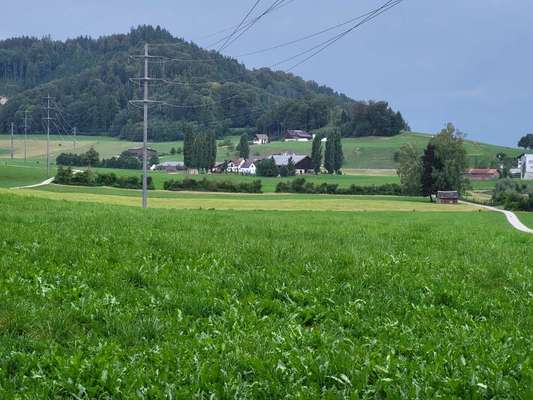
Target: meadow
point(237, 201)
point(102, 301)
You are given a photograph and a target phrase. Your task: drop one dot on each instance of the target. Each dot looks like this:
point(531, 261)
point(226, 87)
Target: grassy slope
point(11, 176)
point(103, 301)
point(369, 152)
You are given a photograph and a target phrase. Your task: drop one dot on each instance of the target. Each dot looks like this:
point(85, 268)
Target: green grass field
point(365, 153)
point(20, 175)
point(103, 301)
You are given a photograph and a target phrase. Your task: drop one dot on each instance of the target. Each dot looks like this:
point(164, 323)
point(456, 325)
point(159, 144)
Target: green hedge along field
point(103, 301)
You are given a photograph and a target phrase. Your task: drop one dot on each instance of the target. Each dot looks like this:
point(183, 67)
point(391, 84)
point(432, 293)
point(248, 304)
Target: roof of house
point(448, 194)
point(298, 134)
point(248, 163)
point(140, 149)
point(171, 164)
point(482, 171)
point(283, 159)
point(261, 136)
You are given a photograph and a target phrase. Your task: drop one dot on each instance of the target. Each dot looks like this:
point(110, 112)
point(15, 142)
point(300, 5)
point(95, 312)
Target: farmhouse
point(235, 165)
point(302, 164)
point(260, 139)
point(297, 136)
point(447, 197)
point(138, 153)
point(248, 167)
point(169, 166)
point(482, 174)
point(525, 163)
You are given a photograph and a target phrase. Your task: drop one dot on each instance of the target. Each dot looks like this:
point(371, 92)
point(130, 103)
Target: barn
point(447, 197)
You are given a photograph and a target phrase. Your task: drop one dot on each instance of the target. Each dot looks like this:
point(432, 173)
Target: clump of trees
point(205, 185)
point(91, 158)
point(268, 168)
point(300, 185)
point(65, 176)
point(513, 195)
point(441, 166)
point(200, 150)
point(333, 156)
point(526, 141)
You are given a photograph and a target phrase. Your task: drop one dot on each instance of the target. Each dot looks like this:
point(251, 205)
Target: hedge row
point(65, 176)
point(205, 185)
point(299, 185)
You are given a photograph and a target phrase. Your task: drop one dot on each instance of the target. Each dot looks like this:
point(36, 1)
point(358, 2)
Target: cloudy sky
point(465, 61)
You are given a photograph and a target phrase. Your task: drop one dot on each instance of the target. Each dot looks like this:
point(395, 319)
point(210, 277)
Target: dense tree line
point(441, 166)
point(91, 158)
point(300, 185)
point(205, 185)
point(89, 80)
point(65, 176)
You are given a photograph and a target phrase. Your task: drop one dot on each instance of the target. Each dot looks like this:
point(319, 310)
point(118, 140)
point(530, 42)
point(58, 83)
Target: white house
point(525, 163)
point(235, 165)
point(248, 167)
point(260, 139)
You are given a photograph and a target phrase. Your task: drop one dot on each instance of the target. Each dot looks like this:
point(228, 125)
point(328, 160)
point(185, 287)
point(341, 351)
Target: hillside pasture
point(102, 301)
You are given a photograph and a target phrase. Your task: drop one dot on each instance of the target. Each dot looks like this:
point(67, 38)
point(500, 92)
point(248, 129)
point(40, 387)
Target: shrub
point(299, 185)
point(65, 176)
point(205, 185)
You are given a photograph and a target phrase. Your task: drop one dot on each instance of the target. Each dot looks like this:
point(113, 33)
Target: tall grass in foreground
point(110, 302)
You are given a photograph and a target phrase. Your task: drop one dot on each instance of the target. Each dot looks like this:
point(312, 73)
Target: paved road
point(43, 183)
point(511, 217)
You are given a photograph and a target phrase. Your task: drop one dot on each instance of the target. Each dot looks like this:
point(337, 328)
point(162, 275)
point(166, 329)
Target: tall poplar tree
point(316, 153)
point(329, 155)
point(243, 147)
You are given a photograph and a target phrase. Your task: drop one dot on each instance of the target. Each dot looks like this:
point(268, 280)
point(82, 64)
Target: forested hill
point(89, 80)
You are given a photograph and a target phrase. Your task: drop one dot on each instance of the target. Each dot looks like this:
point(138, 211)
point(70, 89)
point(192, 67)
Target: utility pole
point(48, 119)
point(12, 146)
point(145, 129)
point(75, 130)
point(25, 134)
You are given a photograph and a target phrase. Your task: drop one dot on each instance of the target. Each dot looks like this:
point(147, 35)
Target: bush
point(299, 185)
point(205, 185)
point(513, 195)
point(65, 176)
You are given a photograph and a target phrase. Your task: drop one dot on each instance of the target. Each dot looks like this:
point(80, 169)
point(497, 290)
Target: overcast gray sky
point(465, 61)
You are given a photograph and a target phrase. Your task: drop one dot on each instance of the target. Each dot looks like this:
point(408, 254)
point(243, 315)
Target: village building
point(260, 139)
point(138, 153)
point(169, 166)
point(297, 136)
point(525, 163)
point(302, 164)
point(482, 174)
point(234, 166)
point(249, 167)
point(447, 197)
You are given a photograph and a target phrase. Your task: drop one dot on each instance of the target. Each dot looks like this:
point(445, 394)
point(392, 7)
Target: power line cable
point(239, 25)
point(325, 44)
